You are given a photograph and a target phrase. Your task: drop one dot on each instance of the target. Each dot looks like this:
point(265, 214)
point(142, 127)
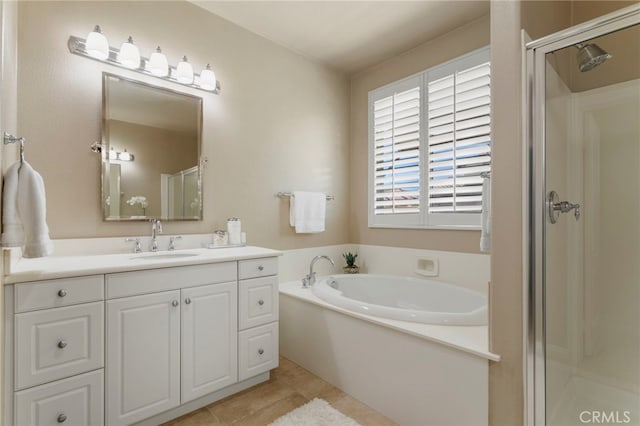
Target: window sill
point(430, 227)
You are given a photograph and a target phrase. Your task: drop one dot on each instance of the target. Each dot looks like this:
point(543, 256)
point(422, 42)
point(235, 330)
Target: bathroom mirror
point(151, 144)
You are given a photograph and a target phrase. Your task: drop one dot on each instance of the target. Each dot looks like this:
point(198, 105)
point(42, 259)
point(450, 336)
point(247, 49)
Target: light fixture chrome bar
point(290, 195)
point(77, 46)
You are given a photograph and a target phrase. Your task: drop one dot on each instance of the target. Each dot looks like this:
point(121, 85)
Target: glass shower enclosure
point(583, 342)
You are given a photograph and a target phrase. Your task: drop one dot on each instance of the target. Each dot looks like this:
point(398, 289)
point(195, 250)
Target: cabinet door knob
point(260, 302)
point(260, 351)
point(260, 268)
point(62, 344)
point(187, 301)
point(175, 303)
point(62, 293)
point(62, 418)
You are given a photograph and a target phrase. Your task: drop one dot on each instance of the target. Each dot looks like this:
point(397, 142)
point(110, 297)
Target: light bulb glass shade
point(125, 156)
point(208, 79)
point(113, 155)
point(96, 44)
point(158, 64)
point(129, 55)
point(184, 71)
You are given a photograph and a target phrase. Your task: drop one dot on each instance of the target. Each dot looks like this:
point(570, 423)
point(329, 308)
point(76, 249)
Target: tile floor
point(289, 387)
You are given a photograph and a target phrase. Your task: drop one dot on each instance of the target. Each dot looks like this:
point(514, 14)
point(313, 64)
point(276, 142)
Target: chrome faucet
point(156, 228)
point(310, 279)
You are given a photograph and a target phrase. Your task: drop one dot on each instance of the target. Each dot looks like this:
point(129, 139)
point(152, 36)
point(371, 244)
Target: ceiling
point(349, 36)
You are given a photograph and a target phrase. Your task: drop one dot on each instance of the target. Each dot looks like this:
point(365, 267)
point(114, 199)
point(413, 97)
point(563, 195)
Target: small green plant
point(350, 258)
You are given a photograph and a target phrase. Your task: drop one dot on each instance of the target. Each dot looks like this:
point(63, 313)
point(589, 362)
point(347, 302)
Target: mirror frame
point(105, 164)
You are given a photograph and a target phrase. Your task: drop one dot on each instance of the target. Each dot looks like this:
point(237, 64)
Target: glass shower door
point(591, 272)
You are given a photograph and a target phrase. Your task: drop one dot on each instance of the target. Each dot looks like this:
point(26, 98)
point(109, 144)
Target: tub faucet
point(156, 228)
point(310, 279)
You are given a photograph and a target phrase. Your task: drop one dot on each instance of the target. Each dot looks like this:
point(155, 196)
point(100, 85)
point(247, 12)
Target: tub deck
point(473, 339)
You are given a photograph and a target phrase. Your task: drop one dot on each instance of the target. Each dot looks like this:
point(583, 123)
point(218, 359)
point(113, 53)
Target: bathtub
point(412, 372)
point(404, 298)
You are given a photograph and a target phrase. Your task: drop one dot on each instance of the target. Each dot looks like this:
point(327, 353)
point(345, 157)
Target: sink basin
point(157, 256)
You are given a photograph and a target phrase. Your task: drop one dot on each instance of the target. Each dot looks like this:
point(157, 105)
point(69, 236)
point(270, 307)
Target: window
point(429, 142)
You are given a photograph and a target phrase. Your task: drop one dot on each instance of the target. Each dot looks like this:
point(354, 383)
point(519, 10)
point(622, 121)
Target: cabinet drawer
point(75, 401)
point(55, 293)
point(254, 268)
point(258, 302)
point(257, 350)
point(55, 343)
point(165, 279)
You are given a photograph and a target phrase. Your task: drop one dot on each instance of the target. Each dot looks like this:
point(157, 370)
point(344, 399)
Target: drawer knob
point(62, 418)
point(62, 293)
point(260, 351)
point(260, 268)
point(260, 302)
point(62, 344)
point(187, 301)
point(175, 303)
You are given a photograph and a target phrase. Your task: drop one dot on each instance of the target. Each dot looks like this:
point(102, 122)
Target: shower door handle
point(556, 207)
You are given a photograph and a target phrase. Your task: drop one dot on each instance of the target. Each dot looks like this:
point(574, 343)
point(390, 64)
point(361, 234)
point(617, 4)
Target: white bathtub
point(414, 373)
point(404, 298)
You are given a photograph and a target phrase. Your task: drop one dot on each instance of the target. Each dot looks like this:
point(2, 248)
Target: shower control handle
point(556, 207)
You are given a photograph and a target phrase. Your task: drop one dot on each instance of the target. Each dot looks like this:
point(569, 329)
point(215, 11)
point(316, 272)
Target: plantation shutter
point(396, 158)
point(459, 144)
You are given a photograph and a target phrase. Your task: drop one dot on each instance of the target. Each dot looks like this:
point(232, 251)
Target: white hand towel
point(12, 234)
point(25, 211)
point(307, 211)
point(485, 236)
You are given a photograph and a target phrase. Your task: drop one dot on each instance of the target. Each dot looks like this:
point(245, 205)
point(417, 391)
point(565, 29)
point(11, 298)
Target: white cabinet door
point(258, 350)
point(143, 356)
point(74, 401)
point(209, 339)
point(55, 343)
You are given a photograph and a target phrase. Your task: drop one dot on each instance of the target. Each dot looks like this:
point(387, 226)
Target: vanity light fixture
point(120, 156)
point(184, 71)
point(157, 63)
point(128, 56)
point(125, 156)
point(97, 45)
point(208, 78)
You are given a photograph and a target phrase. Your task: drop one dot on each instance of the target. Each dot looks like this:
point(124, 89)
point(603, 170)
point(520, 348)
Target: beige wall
point(277, 112)
point(449, 46)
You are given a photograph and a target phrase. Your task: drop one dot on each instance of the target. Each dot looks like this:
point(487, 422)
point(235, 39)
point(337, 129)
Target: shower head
point(590, 56)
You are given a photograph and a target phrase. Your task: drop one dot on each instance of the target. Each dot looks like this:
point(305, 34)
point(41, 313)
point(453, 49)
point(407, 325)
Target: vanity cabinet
point(209, 339)
point(57, 338)
point(139, 346)
point(143, 356)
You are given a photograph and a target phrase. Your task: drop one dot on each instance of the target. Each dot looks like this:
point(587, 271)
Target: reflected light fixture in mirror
point(184, 71)
point(120, 156)
point(129, 55)
point(97, 45)
point(157, 64)
point(208, 78)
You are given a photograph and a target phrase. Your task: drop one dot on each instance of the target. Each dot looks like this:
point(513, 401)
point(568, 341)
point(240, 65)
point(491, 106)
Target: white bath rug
point(315, 413)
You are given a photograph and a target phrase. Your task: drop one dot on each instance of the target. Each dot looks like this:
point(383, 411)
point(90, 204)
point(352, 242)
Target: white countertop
point(471, 339)
point(45, 268)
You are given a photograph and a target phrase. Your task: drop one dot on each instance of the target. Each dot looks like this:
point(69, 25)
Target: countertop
point(473, 339)
point(45, 268)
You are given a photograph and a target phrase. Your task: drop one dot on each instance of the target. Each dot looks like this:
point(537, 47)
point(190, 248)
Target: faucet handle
point(138, 246)
point(172, 241)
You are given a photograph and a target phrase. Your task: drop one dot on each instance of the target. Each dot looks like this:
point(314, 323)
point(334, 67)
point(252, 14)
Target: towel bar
point(289, 195)
point(9, 138)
